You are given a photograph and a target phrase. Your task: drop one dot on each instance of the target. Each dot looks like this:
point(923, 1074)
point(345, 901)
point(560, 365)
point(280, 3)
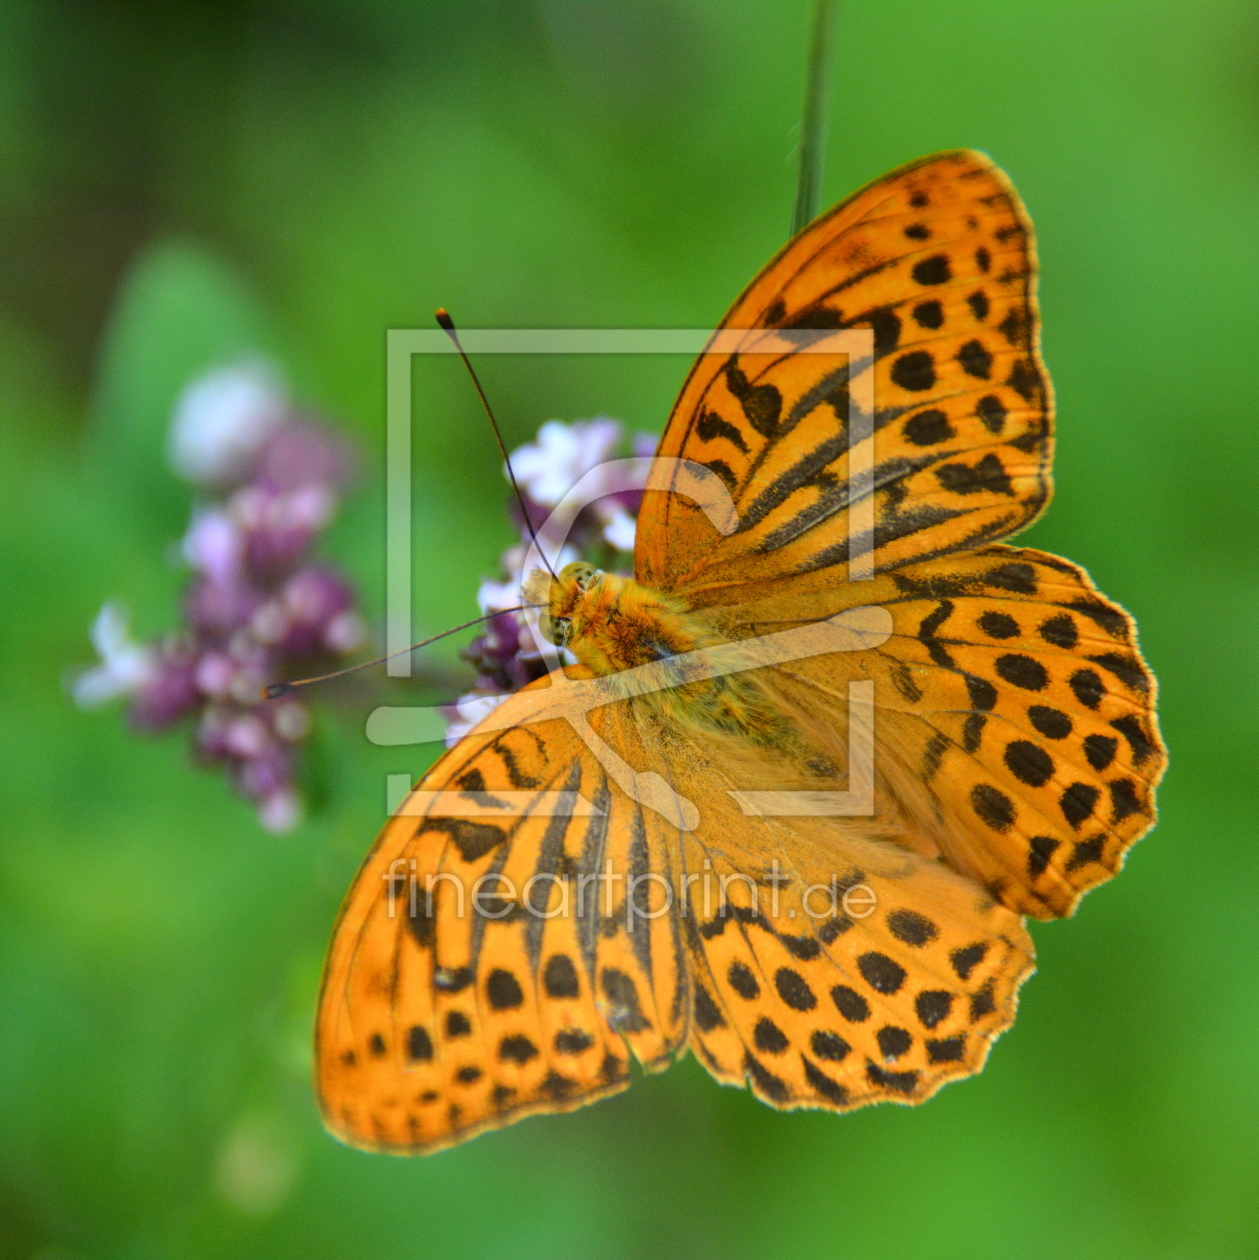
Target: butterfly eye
point(554, 629)
point(585, 575)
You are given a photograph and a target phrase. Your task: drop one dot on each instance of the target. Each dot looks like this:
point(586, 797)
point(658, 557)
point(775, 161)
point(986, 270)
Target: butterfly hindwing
point(1031, 713)
point(1014, 716)
point(831, 970)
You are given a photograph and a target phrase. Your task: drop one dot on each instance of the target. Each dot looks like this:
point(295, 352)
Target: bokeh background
point(180, 182)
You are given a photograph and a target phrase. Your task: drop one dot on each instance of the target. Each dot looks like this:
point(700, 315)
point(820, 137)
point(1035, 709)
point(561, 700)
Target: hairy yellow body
point(613, 623)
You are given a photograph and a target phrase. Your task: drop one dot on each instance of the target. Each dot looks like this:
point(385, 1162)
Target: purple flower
point(170, 692)
point(504, 655)
point(221, 421)
point(256, 608)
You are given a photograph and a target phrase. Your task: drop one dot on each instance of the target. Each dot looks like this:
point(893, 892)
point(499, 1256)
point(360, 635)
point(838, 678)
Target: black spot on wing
point(993, 806)
point(850, 1004)
point(794, 990)
point(503, 990)
point(912, 928)
point(1086, 851)
point(1109, 619)
point(928, 428)
point(914, 371)
point(768, 1037)
point(893, 1041)
point(998, 625)
point(1016, 577)
point(965, 960)
point(419, 1044)
point(991, 413)
point(712, 426)
point(829, 1046)
point(473, 840)
point(948, 1050)
point(1025, 380)
point(988, 474)
point(1039, 850)
point(982, 694)
point(622, 1010)
point(933, 1006)
point(1124, 800)
point(880, 972)
point(831, 1090)
point(1139, 739)
point(975, 360)
point(452, 979)
point(764, 1081)
point(762, 404)
point(743, 982)
point(1023, 671)
point(573, 1041)
point(1100, 750)
point(929, 314)
point(886, 326)
point(707, 1013)
point(1126, 668)
point(896, 1082)
point(517, 1049)
point(1088, 687)
point(1060, 631)
point(934, 270)
point(560, 977)
point(1051, 723)
point(1077, 803)
point(1029, 763)
point(724, 471)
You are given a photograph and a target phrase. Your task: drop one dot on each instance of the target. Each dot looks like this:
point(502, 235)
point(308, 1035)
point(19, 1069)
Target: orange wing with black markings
point(1016, 749)
point(937, 260)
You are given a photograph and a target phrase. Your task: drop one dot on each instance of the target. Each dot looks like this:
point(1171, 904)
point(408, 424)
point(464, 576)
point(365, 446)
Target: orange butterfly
point(824, 961)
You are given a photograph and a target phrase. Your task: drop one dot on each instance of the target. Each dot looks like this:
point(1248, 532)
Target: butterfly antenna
point(283, 688)
point(448, 325)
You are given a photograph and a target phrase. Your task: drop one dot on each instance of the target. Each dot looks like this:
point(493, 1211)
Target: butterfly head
point(608, 622)
point(562, 598)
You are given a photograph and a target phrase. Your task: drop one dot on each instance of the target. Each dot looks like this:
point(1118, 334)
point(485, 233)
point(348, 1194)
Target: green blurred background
point(180, 182)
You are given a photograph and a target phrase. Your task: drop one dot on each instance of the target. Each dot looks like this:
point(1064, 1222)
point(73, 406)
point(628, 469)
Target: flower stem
point(813, 123)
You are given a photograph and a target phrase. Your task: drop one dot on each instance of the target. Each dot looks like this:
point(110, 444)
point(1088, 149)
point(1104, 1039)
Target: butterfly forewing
point(486, 968)
point(936, 260)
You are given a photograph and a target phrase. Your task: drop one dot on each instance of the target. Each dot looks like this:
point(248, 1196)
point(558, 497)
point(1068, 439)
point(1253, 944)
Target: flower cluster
point(505, 656)
point(257, 608)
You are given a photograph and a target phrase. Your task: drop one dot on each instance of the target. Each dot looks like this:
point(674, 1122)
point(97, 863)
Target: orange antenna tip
point(442, 315)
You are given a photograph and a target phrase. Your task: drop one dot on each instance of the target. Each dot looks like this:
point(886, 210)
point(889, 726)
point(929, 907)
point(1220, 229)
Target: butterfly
point(821, 959)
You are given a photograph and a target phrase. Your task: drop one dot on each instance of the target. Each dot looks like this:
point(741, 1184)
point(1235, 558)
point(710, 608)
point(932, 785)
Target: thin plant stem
point(813, 123)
